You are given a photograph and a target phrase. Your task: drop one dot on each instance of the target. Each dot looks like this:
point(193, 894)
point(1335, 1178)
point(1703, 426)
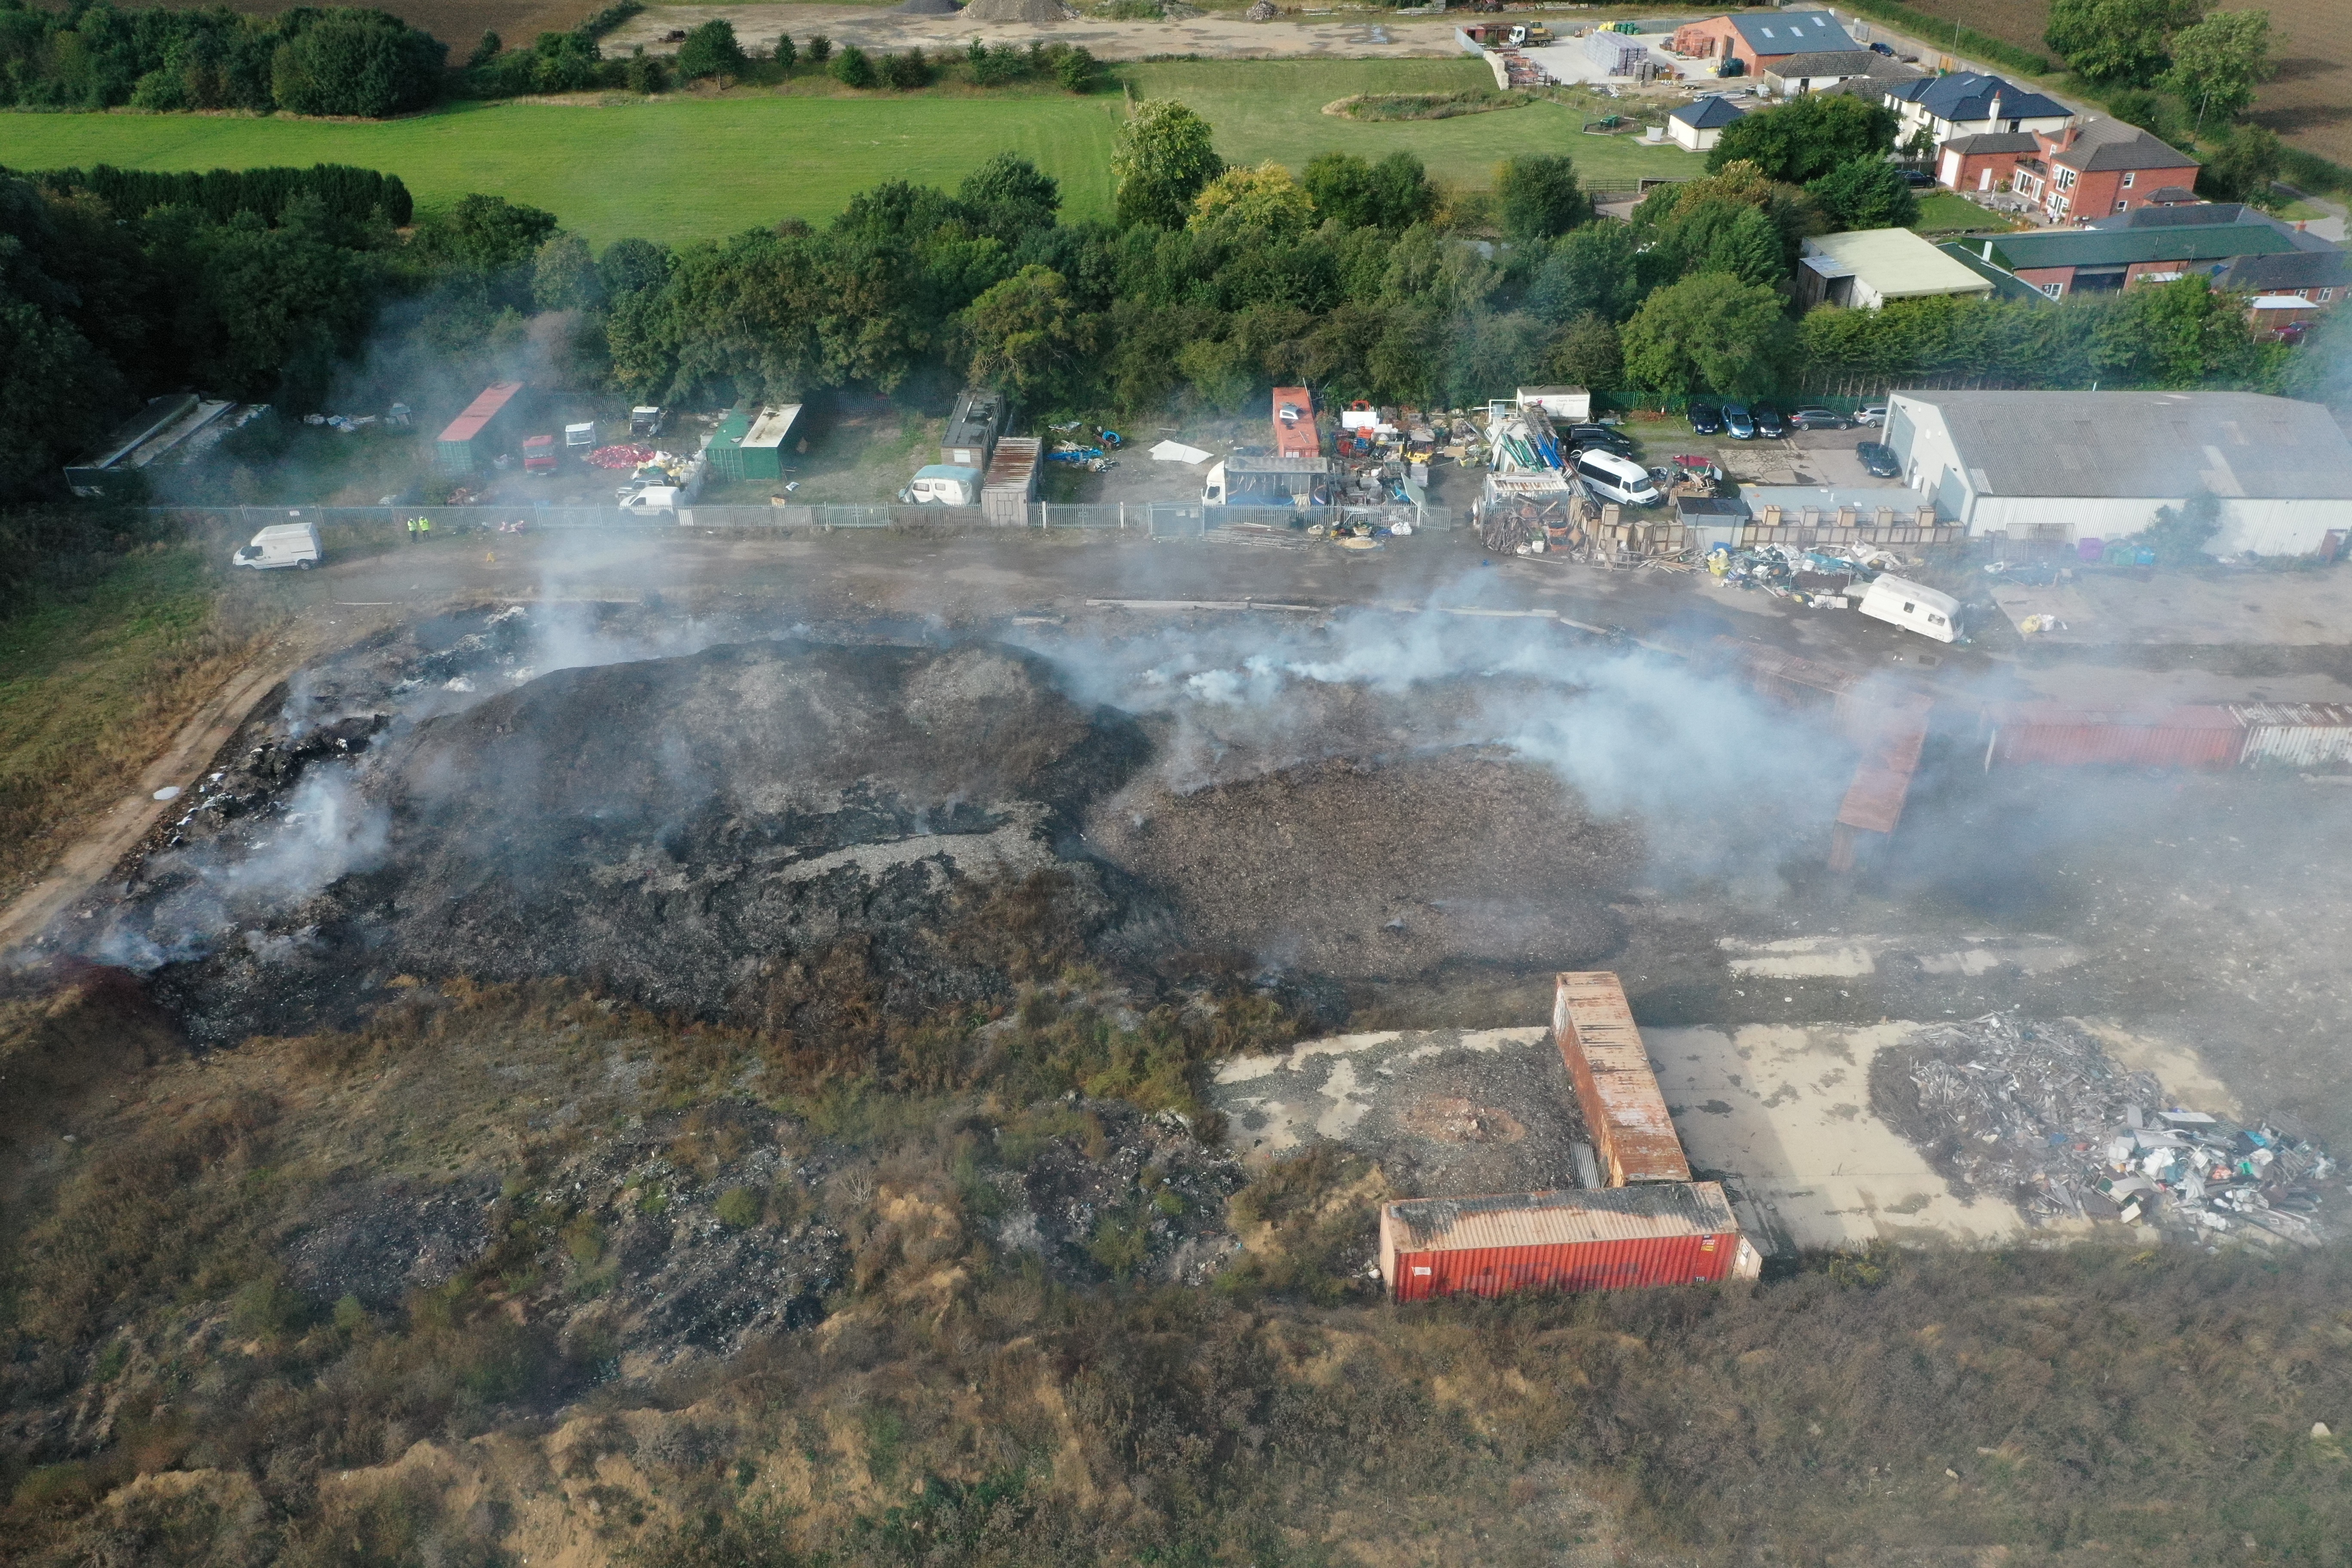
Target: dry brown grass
point(94, 684)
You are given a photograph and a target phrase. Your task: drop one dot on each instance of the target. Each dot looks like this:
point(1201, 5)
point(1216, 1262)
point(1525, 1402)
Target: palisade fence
point(1154, 519)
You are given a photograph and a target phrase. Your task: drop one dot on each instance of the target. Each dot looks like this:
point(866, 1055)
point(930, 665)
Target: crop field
point(691, 167)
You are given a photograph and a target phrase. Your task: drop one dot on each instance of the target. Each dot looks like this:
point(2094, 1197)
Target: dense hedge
point(349, 195)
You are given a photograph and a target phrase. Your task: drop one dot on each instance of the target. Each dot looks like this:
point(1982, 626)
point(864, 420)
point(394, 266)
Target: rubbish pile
point(621, 457)
point(1070, 447)
point(1820, 579)
point(2039, 1113)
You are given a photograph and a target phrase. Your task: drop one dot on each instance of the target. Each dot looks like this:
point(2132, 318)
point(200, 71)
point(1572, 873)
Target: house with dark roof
point(2066, 466)
point(1968, 103)
point(1696, 127)
point(2286, 292)
point(2100, 169)
point(2208, 214)
point(1749, 44)
point(1816, 72)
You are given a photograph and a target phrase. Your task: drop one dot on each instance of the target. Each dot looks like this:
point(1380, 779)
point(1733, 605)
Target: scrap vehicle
point(943, 484)
point(1913, 607)
point(539, 454)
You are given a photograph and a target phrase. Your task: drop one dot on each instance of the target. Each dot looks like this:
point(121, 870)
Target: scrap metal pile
point(1818, 578)
point(2037, 1111)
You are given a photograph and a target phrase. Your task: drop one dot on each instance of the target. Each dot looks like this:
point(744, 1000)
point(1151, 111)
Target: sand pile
point(1035, 11)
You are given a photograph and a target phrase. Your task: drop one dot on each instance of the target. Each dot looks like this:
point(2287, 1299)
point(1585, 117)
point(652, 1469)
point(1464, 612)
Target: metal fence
point(1157, 519)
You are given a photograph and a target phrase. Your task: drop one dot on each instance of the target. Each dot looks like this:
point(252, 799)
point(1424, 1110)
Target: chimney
point(1996, 109)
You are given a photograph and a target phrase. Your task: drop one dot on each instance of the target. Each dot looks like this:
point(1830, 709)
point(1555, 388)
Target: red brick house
point(2097, 170)
point(1984, 161)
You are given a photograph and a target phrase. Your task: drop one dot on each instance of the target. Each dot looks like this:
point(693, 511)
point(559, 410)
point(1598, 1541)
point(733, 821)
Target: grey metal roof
point(1827, 62)
point(2199, 216)
point(1770, 33)
point(2112, 144)
point(1709, 114)
point(1994, 141)
point(2134, 444)
point(2294, 269)
point(2005, 285)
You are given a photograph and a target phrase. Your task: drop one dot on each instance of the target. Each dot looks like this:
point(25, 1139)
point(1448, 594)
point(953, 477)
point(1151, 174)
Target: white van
point(282, 545)
point(1915, 608)
point(653, 501)
point(1612, 477)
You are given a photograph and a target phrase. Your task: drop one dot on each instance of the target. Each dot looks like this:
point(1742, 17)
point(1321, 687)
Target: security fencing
point(1155, 519)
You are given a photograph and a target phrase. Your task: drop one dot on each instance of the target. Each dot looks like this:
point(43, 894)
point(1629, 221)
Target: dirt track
point(1216, 37)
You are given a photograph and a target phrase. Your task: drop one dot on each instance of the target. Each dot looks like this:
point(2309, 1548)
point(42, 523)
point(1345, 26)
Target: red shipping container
point(2057, 734)
point(1294, 424)
point(1592, 1024)
point(1618, 1238)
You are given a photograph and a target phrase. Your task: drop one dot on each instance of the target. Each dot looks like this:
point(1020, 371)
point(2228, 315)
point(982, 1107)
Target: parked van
point(943, 484)
point(655, 500)
point(1612, 477)
point(282, 545)
point(1915, 608)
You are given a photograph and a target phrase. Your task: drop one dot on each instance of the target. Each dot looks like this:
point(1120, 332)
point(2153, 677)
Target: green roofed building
point(751, 445)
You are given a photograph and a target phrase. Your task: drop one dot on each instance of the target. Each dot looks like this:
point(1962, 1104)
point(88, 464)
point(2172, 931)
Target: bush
point(851, 67)
point(906, 69)
point(786, 54)
point(645, 74)
point(1077, 71)
point(820, 50)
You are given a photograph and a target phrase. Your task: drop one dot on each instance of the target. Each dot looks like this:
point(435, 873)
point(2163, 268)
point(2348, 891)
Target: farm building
point(1753, 43)
point(1869, 266)
point(751, 445)
point(1697, 127)
point(483, 430)
point(2062, 466)
point(1625, 1238)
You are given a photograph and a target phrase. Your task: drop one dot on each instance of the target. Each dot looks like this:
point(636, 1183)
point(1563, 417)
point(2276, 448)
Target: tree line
point(1205, 285)
point(307, 61)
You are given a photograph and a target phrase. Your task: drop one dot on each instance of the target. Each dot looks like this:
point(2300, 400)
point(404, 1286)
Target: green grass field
point(685, 168)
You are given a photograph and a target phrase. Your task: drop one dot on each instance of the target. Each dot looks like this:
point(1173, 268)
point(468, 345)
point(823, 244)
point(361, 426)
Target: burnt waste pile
point(669, 829)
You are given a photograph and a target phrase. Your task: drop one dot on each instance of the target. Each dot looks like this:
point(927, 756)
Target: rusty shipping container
point(1677, 1233)
point(1294, 424)
point(2294, 734)
point(1593, 1025)
point(2057, 734)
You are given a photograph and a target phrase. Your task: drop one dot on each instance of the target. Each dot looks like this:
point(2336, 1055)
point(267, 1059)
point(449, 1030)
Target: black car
point(1820, 419)
point(1878, 460)
point(1882, 49)
point(1917, 179)
point(1705, 419)
point(1768, 422)
point(1578, 437)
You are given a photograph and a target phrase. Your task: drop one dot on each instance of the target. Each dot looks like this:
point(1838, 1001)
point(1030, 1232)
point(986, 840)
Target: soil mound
point(1039, 11)
point(674, 828)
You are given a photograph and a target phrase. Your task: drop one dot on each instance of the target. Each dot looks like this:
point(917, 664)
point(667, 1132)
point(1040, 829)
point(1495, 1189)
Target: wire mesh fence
point(1157, 519)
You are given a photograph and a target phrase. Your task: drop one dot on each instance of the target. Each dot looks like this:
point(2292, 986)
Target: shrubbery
point(338, 61)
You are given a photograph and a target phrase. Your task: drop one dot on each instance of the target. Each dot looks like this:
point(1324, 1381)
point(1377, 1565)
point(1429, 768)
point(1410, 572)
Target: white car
point(1876, 414)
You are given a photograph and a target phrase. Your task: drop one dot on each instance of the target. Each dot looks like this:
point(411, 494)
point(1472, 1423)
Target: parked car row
point(1747, 421)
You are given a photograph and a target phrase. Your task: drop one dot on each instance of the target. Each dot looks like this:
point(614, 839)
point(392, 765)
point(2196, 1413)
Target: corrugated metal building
point(1012, 481)
point(1592, 1024)
point(2053, 734)
point(481, 431)
point(1669, 1234)
point(2294, 734)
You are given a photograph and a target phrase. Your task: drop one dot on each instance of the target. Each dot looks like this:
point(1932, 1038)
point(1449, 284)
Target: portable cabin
point(751, 445)
point(980, 416)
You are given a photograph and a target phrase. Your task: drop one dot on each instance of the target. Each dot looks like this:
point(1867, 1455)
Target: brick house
point(1749, 45)
point(1984, 160)
point(2101, 169)
point(2063, 262)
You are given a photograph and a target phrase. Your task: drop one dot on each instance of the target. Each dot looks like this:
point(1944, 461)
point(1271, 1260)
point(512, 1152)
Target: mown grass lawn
point(683, 167)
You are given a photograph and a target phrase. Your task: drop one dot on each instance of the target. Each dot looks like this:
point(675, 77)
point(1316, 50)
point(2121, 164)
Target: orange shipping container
point(1622, 1239)
point(1294, 424)
point(1593, 1025)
